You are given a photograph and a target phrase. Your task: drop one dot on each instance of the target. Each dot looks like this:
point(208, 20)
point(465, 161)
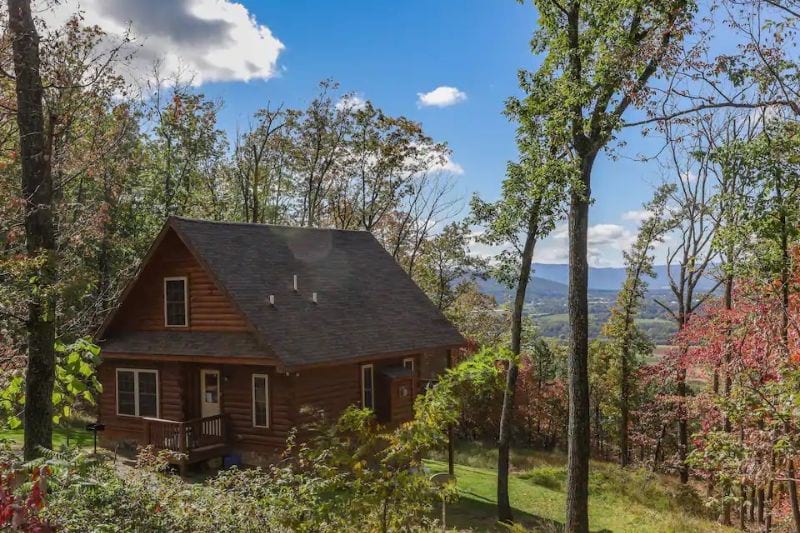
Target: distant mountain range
point(612, 278)
point(551, 280)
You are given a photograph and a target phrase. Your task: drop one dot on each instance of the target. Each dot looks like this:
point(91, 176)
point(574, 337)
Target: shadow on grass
point(480, 515)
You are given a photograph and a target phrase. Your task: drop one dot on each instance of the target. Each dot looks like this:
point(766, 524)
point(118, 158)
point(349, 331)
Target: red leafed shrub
point(20, 512)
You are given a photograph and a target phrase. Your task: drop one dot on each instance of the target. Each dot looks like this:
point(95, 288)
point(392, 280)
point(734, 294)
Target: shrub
point(549, 477)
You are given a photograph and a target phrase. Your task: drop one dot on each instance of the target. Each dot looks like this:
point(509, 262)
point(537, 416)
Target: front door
point(209, 393)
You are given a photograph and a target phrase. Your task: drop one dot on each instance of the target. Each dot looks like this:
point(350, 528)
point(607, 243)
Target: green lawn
point(76, 436)
point(619, 500)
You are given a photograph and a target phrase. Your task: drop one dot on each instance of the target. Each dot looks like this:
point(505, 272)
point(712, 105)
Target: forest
point(690, 388)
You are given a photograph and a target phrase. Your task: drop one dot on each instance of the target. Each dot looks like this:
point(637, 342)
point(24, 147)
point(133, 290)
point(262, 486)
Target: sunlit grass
point(75, 436)
point(620, 500)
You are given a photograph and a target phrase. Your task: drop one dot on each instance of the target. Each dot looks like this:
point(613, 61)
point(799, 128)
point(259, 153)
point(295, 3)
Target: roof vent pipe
point(314, 297)
point(271, 299)
point(294, 282)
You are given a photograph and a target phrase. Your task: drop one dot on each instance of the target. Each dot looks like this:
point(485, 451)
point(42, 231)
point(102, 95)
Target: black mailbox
point(94, 427)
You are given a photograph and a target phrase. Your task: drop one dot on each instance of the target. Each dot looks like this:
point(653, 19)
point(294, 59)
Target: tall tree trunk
point(785, 265)
point(726, 422)
point(657, 451)
point(683, 423)
point(37, 188)
point(624, 407)
point(577, 513)
point(504, 440)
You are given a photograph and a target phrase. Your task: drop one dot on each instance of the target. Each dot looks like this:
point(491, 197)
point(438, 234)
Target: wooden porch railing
point(184, 437)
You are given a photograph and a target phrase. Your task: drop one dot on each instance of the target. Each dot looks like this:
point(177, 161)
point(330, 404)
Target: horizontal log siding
point(209, 309)
point(329, 389)
point(237, 402)
point(333, 389)
point(171, 407)
point(432, 364)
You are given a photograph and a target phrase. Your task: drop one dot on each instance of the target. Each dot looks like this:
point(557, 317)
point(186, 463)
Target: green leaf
point(86, 369)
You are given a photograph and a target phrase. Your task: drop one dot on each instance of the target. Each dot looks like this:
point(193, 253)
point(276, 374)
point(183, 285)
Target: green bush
point(549, 477)
point(351, 475)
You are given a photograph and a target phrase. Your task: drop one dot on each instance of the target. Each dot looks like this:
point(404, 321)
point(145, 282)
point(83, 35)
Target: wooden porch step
point(198, 455)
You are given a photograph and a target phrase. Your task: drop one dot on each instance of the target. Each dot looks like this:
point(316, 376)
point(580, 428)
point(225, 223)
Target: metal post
point(451, 468)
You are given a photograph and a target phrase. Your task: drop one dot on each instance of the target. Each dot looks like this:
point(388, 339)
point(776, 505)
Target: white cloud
point(215, 40)
point(636, 215)
point(448, 166)
point(606, 244)
point(351, 101)
point(442, 96)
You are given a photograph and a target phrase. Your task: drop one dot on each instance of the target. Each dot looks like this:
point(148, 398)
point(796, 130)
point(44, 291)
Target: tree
point(258, 162)
point(75, 385)
point(446, 264)
point(40, 231)
point(621, 328)
point(478, 316)
point(531, 202)
point(600, 56)
point(384, 154)
point(769, 167)
point(181, 152)
point(318, 146)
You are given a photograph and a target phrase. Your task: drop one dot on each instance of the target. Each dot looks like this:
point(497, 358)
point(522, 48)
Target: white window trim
point(372, 389)
point(136, 372)
point(185, 280)
point(203, 373)
point(253, 398)
point(413, 364)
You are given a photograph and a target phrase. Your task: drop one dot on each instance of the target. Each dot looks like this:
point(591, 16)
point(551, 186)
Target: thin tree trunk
point(577, 512)
point(504, 441)
point(768, 505)
point(451, 453)
point(37, 188)
point(624, 405)
point(793, 495)
point(657, 451)
point(683, 428)
point(742, 507)
point(785, 263)
point(726, 422)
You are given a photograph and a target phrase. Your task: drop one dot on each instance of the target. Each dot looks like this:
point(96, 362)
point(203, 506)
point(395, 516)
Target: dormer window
point(176, 303)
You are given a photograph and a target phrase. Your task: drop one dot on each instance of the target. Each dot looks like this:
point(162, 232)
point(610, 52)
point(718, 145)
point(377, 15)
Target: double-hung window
point(137, 392)
point(367, 387)
point(176, 303)
point(260, 400)
point(408, 363)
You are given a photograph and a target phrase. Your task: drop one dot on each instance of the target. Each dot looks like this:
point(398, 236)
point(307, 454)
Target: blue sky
point(388, 52)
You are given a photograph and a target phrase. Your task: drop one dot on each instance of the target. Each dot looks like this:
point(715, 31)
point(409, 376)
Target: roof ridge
point(260, 224)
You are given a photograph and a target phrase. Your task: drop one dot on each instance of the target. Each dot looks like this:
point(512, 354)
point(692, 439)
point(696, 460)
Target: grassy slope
point(77, 436)
point(619, 500)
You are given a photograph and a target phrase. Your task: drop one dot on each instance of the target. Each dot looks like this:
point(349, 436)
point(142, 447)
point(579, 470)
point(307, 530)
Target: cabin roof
point(200, 343)
point(366, 304)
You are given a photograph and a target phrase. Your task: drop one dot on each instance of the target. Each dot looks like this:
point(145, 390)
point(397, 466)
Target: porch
point(193, 441)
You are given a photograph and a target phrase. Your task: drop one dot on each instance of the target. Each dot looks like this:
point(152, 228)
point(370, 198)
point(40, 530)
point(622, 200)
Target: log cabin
point(229, 331)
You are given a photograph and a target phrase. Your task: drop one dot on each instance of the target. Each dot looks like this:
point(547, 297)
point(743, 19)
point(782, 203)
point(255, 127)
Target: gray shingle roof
point(206, 343)
point(366, 304)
